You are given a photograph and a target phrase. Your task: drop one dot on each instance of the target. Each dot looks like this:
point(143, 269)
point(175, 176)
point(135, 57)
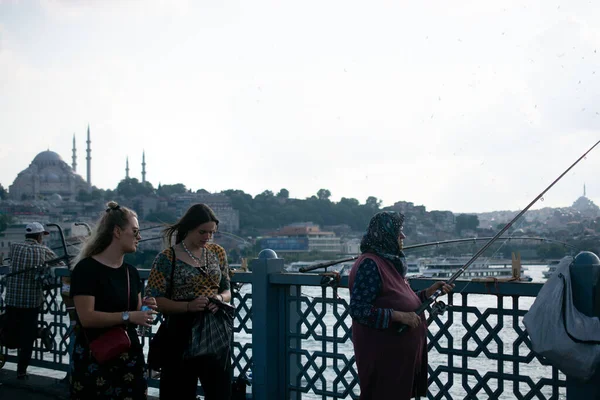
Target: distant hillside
point(582, 208)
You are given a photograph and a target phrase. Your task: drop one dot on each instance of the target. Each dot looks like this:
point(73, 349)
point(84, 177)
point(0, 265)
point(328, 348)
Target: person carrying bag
point(190, 282)
point(113, 342)
point(108, 358)
point(170, 340)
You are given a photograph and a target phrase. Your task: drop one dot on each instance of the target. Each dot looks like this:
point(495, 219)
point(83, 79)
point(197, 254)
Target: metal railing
point(292, 335)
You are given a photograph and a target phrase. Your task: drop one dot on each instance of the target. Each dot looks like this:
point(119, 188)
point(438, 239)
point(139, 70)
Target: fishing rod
point(458, 273)
point(152, 238)
point(87, 227)
point(64, 244)
point(443, 242)
point(226, 234)
point(541, 239)
point(49, 263)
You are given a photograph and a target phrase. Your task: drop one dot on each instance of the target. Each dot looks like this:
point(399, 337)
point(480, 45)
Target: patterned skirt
point(120, 379)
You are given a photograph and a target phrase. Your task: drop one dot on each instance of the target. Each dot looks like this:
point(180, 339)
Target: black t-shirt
point(109, 288)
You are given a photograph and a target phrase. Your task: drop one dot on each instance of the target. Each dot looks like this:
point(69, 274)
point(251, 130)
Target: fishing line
point(439, 292)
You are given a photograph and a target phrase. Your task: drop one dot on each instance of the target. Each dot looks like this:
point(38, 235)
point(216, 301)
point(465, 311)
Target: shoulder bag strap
point(128, 288)
point(173, 264)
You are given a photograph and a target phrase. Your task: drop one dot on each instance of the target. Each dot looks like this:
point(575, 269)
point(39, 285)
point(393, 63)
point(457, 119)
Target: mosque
point(49, 176)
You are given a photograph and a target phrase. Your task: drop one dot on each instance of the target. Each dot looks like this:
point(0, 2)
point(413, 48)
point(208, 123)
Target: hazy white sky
point(462, 105)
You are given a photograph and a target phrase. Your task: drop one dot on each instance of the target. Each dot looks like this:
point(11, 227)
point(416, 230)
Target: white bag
point(567, 338)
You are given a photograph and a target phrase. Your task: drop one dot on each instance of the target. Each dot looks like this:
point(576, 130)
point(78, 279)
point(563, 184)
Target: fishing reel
point(330, 279)
point(438, 308)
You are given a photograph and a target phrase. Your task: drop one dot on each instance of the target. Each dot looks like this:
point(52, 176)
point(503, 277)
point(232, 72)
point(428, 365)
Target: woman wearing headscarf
point(390, 365)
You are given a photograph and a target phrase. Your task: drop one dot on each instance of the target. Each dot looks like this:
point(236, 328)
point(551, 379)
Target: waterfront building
point(303, 237)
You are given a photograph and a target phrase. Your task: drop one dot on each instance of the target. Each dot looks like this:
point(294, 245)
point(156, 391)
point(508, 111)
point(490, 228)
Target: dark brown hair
point(196, 215)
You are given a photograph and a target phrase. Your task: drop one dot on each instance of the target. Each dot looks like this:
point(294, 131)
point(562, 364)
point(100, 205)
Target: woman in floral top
point(201, 272)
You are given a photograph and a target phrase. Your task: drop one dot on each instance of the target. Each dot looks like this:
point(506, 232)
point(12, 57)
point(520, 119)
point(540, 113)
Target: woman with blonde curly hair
point(107, 294)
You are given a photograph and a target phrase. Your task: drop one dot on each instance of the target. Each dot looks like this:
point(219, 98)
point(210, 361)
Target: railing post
point(585, 286)
point(268, 372)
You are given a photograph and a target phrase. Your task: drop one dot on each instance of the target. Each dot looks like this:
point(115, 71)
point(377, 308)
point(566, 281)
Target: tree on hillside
point(466, 222)
point(97, 194)
point(265, 194)
point(323, 194)
point(373, 203)
point(5, 221)
point(131, 187)
point(3, 193)
point(83, 196)
point(169, 190)
point(283, 194)
point(349, 202)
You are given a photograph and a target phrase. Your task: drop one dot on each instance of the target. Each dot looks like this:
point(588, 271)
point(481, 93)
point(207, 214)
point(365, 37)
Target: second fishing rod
point(438, 243)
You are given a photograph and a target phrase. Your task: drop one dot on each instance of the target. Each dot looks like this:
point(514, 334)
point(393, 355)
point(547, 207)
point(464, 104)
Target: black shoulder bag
point(157, 349)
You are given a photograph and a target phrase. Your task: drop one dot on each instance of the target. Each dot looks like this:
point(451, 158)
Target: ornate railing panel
point(478, 349)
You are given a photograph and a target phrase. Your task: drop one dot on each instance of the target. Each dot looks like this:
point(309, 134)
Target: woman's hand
point(446, 288)
point(214, 307)
point(142, 318)
point(150, 302)
point(410, 319)
point(198, 304)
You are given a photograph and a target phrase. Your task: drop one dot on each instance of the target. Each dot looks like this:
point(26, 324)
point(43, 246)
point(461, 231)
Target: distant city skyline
point(43, 170)
point(472, 107)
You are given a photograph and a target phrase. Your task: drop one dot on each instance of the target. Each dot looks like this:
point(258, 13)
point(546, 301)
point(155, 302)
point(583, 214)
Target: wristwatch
point(125, 316)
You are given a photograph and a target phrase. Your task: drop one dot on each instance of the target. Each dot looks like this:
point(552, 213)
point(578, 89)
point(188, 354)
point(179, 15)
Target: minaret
point(74, 165)
point(584, 190)
point(89, 157)
point(144, 166)
point(127, 168)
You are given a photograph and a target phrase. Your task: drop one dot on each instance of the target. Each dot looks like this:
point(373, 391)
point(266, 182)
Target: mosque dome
point(47, 177)
point(50, 176)
point(46, 156)
point(56, 198)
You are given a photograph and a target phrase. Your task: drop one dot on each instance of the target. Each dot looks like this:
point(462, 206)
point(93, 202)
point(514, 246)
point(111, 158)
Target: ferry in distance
point(343, 268)
point(444, 268)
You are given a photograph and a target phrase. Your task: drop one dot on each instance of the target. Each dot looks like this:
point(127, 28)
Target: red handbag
point(113, 342)
point(110, 345)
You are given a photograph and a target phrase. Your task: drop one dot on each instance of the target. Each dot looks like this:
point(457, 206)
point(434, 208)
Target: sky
point(466, 106)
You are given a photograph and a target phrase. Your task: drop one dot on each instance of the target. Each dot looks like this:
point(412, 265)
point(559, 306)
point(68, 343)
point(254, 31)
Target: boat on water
point(444, 268)
point(414, 267)
point(551, 268)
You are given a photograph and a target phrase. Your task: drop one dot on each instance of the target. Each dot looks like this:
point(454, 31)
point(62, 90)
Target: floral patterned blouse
point(190, 281)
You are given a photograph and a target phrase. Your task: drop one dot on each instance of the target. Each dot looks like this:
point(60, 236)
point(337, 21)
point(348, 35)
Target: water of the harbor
point(481, 364)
